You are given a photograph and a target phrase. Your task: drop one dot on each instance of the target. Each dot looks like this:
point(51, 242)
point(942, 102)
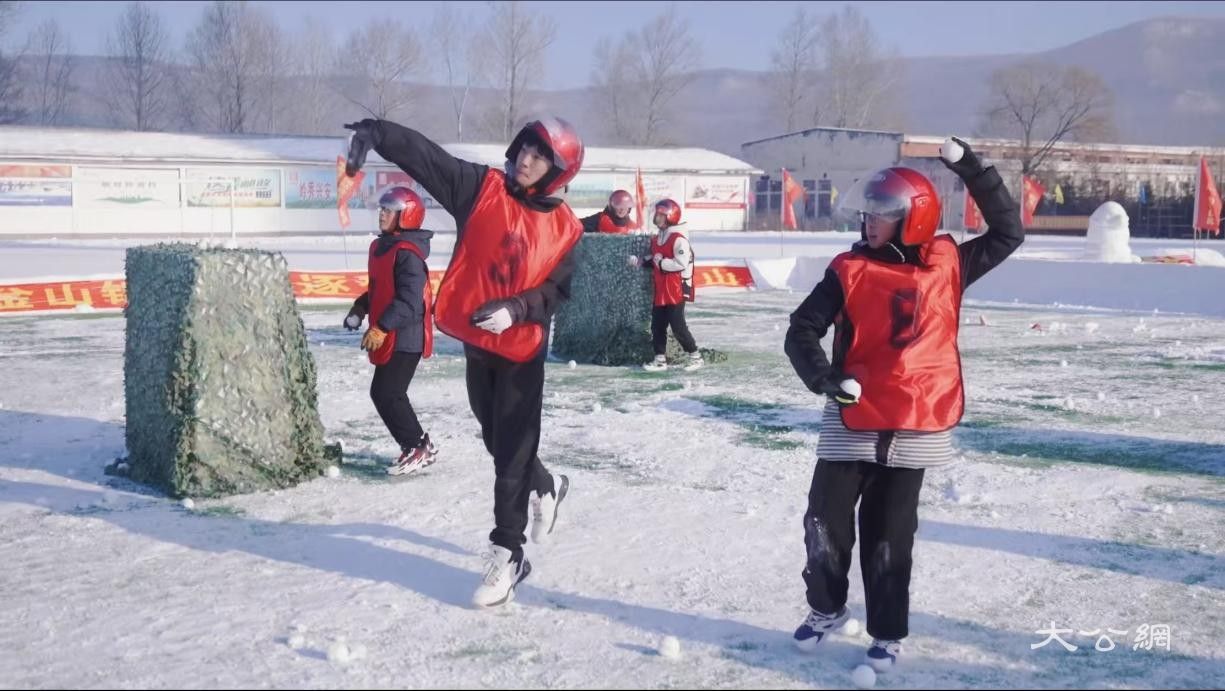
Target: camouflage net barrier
point(219, 383)
point(607, 320)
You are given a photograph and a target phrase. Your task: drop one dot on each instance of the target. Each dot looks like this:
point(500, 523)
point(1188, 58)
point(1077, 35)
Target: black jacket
point(811, 320)
point(406, 313)
point(455, 184)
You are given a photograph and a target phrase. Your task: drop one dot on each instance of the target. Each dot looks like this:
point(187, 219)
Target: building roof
point(70, 144)
point(824, 130)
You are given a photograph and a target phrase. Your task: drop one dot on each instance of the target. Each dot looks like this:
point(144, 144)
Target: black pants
point(389, 391)
point(506, 398)
point(888, 518)
point(670, 315)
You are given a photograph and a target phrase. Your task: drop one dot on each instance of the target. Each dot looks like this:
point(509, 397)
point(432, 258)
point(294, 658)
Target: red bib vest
point(669, 287)
point(506, 249)
point(903, 348)
point(607, 225)
point(381, 270)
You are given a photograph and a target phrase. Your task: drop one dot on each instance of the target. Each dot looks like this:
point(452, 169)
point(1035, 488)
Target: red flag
point(1031, 194)
point(792, 191)
point(1207, 201)
point(346, 187)
point(972, 218)
point(640, 198)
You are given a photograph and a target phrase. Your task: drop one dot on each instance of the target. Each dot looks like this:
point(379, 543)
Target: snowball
point(572, 364)
point(864, 677)
point(333, 471)
point(670, 648)
point(188, 503)
point(297, 641)
point(339, 653)
point(850, 628)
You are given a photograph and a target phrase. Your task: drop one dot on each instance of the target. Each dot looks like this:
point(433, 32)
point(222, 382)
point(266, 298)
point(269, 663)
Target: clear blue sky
point(731, 34)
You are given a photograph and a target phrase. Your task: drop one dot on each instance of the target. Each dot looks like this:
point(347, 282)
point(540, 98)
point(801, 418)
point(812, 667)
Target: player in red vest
point(672, 263)
point(894, 386)
point(615, 218)
point(401, 329)
point(509, 272)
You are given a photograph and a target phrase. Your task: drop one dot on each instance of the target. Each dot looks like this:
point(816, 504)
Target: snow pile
point(1109, 236)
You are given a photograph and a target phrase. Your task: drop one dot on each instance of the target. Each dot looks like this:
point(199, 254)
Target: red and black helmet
point(901, 194)
point(671, 211)
point(560, 141)
point(408, 203)
point(621, 201)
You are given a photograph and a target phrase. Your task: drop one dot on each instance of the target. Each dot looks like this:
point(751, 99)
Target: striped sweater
point(901, 449)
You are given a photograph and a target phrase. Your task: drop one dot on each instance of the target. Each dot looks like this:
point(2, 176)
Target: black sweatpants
point(506, 398)
point(389, 391)
point(888, 517)
point(663, 316)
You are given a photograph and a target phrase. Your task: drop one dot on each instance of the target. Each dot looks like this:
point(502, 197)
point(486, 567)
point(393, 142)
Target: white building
point(76, 182)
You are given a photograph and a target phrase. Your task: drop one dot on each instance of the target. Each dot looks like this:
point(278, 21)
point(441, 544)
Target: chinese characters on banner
point(111, 293)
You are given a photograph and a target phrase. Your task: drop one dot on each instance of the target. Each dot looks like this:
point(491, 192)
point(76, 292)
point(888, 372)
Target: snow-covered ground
point(1090, 496)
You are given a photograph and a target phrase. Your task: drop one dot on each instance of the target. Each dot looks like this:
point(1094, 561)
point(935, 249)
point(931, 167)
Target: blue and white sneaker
point(816, 625)
point(883, 655)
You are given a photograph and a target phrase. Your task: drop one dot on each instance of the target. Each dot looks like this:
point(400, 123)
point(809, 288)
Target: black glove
point(687, 289)
point(366, 136)
point(970, 164)
point(832, 387)
point(353, 320)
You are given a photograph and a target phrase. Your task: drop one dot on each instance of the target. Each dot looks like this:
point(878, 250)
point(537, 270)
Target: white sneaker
point(502, 574)
point(659, 364)
point(544, 509)
point(695, 361)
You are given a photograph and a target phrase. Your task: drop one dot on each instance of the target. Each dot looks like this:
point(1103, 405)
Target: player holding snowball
point(894, 386)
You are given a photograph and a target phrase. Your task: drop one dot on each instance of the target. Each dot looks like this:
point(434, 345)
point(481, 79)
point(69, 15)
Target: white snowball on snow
point(297, 641)
point(339, 653)
point(864, 677)
point(188, 503)
point(670, 648)
point(333, 471)
point(572, 364)
point(850, 628)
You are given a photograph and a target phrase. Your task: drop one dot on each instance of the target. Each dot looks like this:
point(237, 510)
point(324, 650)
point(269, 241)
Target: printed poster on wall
point(35, 185)
point(708, 192)
point(132, 188)
point(392, 178)
point(315, 188)
point(658, 187)
point(253, 187)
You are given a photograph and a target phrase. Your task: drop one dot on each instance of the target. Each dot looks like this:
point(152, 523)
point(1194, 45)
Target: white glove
point(633, 260)
point(496, 322)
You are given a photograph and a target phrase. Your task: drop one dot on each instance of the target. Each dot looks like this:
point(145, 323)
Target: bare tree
point(665, 53)
point(383, 56)
point(52, 73)
point(517, 40)
point(857, 79)
point(461, 60)
point(647, 72)
point(1042, 104)
point(610, 75)
point(136, 77)
point(315, 56)
point(10, 80)
point(794, 65)
point(236, 58)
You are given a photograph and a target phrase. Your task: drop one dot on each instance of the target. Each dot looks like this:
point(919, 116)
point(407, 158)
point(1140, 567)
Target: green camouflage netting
point(607, 320)
point(219, 382)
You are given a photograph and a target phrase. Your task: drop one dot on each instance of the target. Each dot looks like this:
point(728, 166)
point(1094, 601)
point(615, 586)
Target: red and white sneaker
point(422, 455)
